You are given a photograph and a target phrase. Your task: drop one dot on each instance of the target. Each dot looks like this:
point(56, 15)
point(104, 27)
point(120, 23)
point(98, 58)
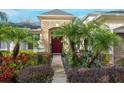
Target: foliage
point(96, 75)
point(37, 58)
point(29, 52)
point(42, 57)
point(36, 74)
point(3, 27)
point(86, 41)
point(121, 62)
point(5, 52)
point(7, 74)
point(105, 59)
point(32, 63)
point(16, 35)
point(32, 60)
point(9, 67)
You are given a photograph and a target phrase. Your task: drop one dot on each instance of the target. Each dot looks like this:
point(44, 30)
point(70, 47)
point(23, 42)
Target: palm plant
point(16, 35)
point(101, 40)
point(72, 34)
point(91, 39)
point(1, 32)
point(3, 28)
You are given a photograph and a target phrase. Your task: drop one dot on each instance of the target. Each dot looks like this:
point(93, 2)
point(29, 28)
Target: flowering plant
point(9, 67)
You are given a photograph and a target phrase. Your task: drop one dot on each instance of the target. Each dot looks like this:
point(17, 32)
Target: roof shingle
point(56, 12)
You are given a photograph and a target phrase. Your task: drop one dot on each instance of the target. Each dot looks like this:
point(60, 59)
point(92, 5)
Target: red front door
point(56, 45)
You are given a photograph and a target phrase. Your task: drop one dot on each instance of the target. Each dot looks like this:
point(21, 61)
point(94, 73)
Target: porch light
point(61, 41)
point(57, 25)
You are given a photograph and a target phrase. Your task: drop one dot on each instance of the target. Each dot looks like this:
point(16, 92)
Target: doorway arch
point(55, 43)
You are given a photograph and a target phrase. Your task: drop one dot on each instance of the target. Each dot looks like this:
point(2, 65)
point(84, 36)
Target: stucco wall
point(113, 22)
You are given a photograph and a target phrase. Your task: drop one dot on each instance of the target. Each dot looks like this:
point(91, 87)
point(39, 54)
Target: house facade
point(49, 22)
point(56, 18)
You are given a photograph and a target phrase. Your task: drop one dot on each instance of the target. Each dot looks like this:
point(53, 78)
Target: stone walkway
point(57, 65)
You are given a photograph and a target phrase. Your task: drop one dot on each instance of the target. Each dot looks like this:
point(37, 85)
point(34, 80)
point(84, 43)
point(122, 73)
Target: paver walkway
point(59, 76)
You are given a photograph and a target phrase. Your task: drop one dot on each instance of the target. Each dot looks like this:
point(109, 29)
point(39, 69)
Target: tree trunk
point(74, 55)
point(86, 44)
point(1, 55)
point(93, 59)
point(16, 50)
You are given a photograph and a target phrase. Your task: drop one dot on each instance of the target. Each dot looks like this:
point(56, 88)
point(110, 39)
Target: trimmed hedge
point(36, 74)
point(96, 75)
point(5, 52)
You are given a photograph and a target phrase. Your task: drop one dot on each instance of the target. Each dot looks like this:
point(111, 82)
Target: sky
point(20, 15)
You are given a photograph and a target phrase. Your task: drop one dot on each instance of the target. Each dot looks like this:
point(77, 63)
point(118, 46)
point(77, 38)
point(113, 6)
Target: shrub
point(120, 62)
point(96, 75)
point(30, 52)
point(5, 52)
point(9, 67)
point(7, 74)
point(32, 63)
point(42, 58)
point(32, 57)
point(105, 59)
point(36, 74)
point(37, 58)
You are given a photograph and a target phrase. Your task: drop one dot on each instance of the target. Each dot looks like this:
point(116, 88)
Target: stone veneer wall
point(46, 26)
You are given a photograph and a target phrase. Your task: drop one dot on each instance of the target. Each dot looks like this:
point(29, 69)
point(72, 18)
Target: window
point(30, 46)
point(36, 37)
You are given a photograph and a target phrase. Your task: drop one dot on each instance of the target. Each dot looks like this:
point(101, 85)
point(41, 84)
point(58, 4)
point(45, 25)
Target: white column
point(26, 46)
point(23, 46)
point(112, 52)
point(40, 42)
point(12, 46)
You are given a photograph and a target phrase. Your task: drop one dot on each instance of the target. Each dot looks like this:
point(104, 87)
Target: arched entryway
point(55, 18)
point(55, 42)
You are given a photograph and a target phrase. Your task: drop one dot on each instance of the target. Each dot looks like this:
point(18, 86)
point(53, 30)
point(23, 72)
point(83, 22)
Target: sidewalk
point(59, 76)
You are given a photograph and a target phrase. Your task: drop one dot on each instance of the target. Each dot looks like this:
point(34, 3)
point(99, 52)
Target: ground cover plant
point(11, 69)
point(36, 74)
point(96, 75)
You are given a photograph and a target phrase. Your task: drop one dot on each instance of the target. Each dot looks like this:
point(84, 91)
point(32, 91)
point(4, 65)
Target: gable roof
point(99, 14)
point(116, 11)
point(56, 12)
